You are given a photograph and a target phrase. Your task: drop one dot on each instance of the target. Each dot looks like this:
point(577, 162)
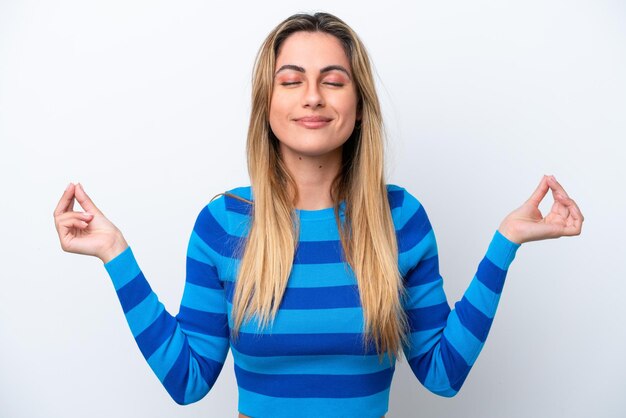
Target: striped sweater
point(312, 362)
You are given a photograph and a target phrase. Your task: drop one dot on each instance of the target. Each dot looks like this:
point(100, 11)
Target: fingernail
point(68, 187)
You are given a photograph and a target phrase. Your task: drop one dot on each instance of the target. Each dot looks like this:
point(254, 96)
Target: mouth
point(313, 122)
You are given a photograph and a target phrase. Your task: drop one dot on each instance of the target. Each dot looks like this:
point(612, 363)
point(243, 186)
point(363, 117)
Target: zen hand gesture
point(88, 232)
point(528, 224)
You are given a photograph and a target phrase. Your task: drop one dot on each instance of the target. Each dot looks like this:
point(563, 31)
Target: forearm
point(445, 344)
point(187, 368)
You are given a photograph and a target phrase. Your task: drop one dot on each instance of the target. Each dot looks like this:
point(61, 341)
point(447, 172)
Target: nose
point(313, 97)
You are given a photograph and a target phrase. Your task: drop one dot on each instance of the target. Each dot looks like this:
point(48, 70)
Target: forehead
point(312, 50)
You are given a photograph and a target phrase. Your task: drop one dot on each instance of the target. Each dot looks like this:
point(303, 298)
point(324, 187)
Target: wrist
point(510, 234)
point(115, 249)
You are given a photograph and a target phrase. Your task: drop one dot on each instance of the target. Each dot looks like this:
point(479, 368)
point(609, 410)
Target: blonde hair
point(367, 234)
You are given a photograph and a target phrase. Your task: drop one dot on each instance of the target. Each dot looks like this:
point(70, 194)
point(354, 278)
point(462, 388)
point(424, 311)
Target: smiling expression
point(313, 108)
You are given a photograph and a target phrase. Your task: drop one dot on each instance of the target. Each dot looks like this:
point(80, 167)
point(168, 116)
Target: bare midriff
point(245, 416)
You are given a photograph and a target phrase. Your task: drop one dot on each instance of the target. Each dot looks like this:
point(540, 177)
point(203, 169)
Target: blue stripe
point(482, 298)
point(473, 319)
point(178, 383)
point(160, 330)
point(318, 252)
point(421, 341)
point(322, 364)
point(429, 317)
point(202, 274)
point(462, 339)
point(328, 297)
point(456, 368)
point(310, 321)
point(426, 295)
point(133, 292)
point(123, 268)
point(142, 315)
point(256, 405)
point(215, 324)
point(204, 299)
point(301, 344)
point(210, 347)
point(238, 206)
point(491, 275)
point(176, 379)
point(501, 251)
point(212, 233)
point(321, 275)
point(421, 365)
point(416, 228)
point(427, 270)
point(314, 385)
point(396, 198)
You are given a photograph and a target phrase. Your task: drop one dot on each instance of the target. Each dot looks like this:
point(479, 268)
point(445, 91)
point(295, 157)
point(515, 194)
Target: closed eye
point(334, 84)
point(290, 83)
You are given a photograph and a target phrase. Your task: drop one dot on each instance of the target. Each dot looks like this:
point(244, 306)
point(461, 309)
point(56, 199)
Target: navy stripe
point(426, 271)
point(430, 317)
point(202, 274)
point(491, 275)
point(328, 297)
point(421, 365)
point(314, 385)
point(152, 337)
point(212, 233)
point(473, 319)
point(133, 292)
point(318, 252)
point(416, 228)
point(208, 323)
point(263, 345)
point(235, 205)
point(396, 198)
point(456, 367)
point(177, 378)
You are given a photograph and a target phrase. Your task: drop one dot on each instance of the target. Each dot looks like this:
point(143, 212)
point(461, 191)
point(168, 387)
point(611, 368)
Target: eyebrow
point(326, 69)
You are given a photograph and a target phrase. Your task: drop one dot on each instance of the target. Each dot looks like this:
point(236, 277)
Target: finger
point(74, 223)
point(540, 192)
point(68, 217)
point(66, 202)
point(84, 200)
point(556, 187)
point(574, 210)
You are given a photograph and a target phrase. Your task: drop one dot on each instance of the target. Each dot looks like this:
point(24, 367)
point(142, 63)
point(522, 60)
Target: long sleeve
point(444, 343)
point(186, 351)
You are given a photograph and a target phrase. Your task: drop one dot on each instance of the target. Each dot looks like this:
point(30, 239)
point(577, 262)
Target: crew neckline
point(325, 213)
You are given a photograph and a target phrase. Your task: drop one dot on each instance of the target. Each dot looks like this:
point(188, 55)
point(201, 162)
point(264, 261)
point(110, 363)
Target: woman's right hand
point(89, 232)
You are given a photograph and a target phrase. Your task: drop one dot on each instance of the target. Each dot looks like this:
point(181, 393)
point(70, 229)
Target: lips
point(313, 122)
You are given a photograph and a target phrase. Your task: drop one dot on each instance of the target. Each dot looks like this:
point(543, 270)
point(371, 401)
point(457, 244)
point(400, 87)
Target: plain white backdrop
point(146, 103)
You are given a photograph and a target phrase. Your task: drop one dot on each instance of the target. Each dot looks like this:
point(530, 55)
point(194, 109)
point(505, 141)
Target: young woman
point(319, 274)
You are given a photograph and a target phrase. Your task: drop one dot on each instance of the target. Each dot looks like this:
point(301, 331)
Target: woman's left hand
point(528, 224)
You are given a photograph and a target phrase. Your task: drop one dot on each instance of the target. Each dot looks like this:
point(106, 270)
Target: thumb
point(540, 192)
point(84, 200)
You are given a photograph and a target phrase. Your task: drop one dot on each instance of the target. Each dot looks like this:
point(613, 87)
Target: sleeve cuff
point(502, 251)
point(123, 268)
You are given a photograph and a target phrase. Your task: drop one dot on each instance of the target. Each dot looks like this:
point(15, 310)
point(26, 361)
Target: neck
point(314, 177)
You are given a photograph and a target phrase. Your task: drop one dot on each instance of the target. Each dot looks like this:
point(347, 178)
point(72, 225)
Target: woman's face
point(314, 102)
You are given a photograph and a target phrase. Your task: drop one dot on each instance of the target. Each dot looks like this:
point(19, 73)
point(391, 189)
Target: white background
point(146, 103)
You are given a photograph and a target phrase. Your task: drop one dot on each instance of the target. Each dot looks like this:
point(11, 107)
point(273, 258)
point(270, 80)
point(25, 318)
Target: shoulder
point(230, 207)
point(404, 206)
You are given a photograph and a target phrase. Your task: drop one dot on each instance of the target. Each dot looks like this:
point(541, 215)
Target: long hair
point(367, 233)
